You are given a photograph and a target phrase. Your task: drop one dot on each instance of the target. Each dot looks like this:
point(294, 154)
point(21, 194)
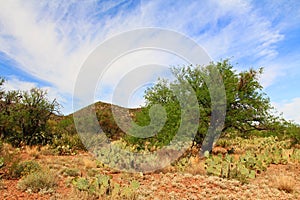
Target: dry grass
point(47, 151)
point(285, 183)
point(33, 151)
point(8, 149)
point(83, 195)
point(196, 166)
point(219, 150)
point(88, 163)
point(38, 181)
point(2, 185)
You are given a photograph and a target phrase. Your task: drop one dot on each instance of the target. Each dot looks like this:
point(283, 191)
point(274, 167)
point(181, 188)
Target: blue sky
point(43, 44)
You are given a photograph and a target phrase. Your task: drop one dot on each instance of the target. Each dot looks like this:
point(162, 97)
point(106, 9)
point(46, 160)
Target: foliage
point(107, 122)
point(292, 130)
point(247, 107)
point(38, 181)
point(65, 139)
point(227, 167)
point(285, 183)
point(11, 166)
point(10, 160)
point(254, 160)
point(102, 186)
point(24, 116)
point(67, 144)
point(25, 168)
point(295, 156)
point(71, 172)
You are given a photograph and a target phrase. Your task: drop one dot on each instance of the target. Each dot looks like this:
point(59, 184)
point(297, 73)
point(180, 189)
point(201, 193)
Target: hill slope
point(105, 117)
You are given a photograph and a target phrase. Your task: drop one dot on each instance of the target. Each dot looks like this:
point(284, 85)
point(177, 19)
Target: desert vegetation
point(256, 156)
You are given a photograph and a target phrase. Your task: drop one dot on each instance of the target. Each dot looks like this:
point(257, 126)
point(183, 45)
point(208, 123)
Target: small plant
point(2, 186)
point(43, 180)
point(67, 144)
point(33, 151)
point(25, 168)
point(228, 167)
point(71, 172)
point(92, 172)
point(102, 186)
point(285, 183)
point(81, 184)
point(295, 156)
point(64, 150)
point(9, 161)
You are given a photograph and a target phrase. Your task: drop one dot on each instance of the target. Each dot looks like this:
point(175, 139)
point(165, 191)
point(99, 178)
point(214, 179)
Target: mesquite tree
point(24, 116)
point(247, 107)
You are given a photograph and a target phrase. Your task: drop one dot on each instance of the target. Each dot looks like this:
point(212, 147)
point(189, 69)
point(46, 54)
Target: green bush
point(9, 161)
point(71, 172)
point(293, 132)
point(67, 144)
point(43, 180)
point(25, 168)
point(24, 116)
point(295, 157)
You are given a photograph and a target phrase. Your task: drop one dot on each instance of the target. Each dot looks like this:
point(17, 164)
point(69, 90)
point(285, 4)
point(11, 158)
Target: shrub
point(293, 131)
point(11, 165)
point(25, 115)
point(71, 172)
point(67, 144)
point(285, 183)
point(25, 168)
point(38, 181)
point(9, 161)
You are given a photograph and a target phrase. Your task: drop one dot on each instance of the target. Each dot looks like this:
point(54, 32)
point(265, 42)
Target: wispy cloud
point(50, 40)
point(289, 109)
point(14, 83)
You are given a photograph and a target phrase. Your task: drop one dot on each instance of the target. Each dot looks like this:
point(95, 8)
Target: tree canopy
point(247, 106)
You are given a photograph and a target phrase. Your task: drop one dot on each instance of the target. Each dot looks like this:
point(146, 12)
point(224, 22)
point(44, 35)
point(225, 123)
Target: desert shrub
point(285, 183)
point(25, 168)
point(1, 162)
point(71, 172)
point(24, 116)
point(41, 180)
point(67, 144)
point(9, 161)
point(295, 156)
point(66, 136)
point(292, 131)
point(1, 158)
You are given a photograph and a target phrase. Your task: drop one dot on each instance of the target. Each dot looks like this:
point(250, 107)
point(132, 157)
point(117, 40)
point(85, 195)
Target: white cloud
point(271, 75)
point(51, 39)
point(289, 109)
point(13, 83)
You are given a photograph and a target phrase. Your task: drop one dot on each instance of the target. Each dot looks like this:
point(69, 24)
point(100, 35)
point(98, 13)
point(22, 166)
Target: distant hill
point(105, 117)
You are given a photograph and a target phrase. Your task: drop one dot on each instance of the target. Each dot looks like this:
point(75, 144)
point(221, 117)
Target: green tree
point(247, 107)
point(24, 116)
